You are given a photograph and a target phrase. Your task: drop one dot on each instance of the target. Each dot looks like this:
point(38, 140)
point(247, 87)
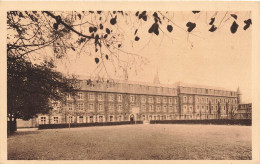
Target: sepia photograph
point(142, 84)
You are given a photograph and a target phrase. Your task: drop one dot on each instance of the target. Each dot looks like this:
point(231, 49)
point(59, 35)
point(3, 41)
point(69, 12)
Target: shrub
point(215, 121)
point(73, 125)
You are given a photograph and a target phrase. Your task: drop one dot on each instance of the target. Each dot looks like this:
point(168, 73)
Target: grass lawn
point(142, 142)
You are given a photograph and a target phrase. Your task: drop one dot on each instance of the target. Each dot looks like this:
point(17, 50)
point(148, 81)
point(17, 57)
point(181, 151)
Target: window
point(91, 106)
point(110, 118)
point(80, 106)
point(150, 108)
point(143, 108)
point(158, 108)
point(143, 99)
point(91, 119)
point(43, 120)
point(80, 119)
point(198, 100)
point(111, 97)
point(80, 95)
point(100, 107)
point(202, 100)
point(207, 107)
point(111, 107)
point(190, 99)
point(70, 119)
point(184, 108)
point(119, 98)
point(170, 100)
point(170, 108)
point(164, 108)
point(175, 101)
point(158, 99)
point(190, 108)
point(132, 98)
point(119, 118)
point(164, 100)
point(235, 101)
point(119, 107)
point(70, 106)
point(150, 99)
point(207, 100)
point(198, 107)
point(100, 119)
point(91, 96)
point(184, 99)
point(100, 97)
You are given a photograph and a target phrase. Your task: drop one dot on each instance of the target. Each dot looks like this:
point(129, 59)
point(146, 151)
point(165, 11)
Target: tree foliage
point(31, 87)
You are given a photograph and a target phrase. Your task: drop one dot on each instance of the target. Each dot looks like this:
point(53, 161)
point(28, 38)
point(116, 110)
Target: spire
point(238, 90)
point(156, 78)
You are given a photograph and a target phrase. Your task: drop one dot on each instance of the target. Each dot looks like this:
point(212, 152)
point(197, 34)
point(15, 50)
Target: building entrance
point(132, 118)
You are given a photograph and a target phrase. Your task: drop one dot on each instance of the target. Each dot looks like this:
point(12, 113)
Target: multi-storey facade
point(117, 101)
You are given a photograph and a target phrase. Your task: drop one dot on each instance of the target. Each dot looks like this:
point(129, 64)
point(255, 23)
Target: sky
point(219, 59)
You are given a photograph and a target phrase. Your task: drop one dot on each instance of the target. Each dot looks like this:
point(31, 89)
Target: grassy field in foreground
point(143, 142)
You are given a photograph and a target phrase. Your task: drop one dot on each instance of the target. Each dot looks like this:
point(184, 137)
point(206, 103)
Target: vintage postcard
point(130, 82)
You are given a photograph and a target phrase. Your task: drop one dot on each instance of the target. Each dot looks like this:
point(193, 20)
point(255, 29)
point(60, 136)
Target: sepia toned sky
point(219, 59)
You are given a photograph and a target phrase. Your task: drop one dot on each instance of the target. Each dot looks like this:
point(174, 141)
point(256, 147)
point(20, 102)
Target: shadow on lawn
point(19, 133)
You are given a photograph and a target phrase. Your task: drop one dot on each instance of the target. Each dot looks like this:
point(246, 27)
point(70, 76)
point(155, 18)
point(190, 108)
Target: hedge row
point(214, 121)
point(74, 125)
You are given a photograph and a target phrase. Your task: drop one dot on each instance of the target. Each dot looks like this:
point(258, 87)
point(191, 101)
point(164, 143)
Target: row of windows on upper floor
point(134, 87)
point(100, 107)
point(212, 100)
point(132, 98)
point(207, 107)
point(207, 91)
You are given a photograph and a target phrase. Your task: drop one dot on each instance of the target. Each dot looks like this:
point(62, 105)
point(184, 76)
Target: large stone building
point(111, 101)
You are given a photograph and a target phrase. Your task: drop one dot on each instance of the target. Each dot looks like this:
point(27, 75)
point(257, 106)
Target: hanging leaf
point(213, 28)
point(190, 26)
point(212, 20)
point(113, 21)
point(107, 31)
point(91, 29)
point(79, 15)
point(97, 60)
point(234, 16)
point(101, 27)
point(73, 48)
point(234, 27)
point(94, 29)
point(106, 56)
point(99, 12)
point(137, 38)
point(119, 45)
point(136, 31)
point(169, 28)
point(114, 12)
point(143, 16)
point(105, 36)
point(195, 12)
point(137, 13)
point(154, 29)
point(248, 23)
point(55, 26)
